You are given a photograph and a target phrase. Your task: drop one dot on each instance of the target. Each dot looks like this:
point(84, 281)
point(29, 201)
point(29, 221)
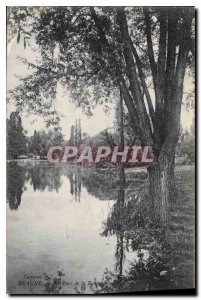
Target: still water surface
point(55, 217)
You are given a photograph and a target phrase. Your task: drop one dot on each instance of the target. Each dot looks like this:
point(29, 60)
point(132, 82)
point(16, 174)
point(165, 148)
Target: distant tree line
point(19, 144)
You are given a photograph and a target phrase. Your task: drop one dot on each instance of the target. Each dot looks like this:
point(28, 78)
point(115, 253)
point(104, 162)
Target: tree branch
point(170, 65)
point(132, 73)
point(135, 121)
point(144, 85)
point(161, 62)
point(150, 46)
point(184, 49)
point(56, 74)
point(99, 26)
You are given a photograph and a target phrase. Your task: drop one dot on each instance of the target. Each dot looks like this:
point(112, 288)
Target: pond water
point(55, 217)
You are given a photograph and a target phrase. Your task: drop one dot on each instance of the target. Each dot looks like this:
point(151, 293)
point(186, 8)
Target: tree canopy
point(94, 51)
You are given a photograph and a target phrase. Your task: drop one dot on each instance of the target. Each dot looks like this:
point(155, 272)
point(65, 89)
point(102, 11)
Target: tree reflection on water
point(151, 266)
point(43, 176)
point(16, 177)
point(75, 184)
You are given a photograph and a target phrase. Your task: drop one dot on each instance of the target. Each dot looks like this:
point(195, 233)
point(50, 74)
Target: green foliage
point(79, 67)
point(186, 145)
point(82, 66)
point(38, 143)
point(16, 141)
point(18, 21)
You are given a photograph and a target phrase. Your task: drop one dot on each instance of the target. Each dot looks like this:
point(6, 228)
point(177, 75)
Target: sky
point(63, 104)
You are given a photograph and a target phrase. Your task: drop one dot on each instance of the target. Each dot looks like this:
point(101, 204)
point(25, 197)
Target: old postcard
point(100, 149)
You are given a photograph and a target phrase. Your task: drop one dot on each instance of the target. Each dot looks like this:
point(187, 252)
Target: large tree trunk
point(159, 190)
point(161, 182)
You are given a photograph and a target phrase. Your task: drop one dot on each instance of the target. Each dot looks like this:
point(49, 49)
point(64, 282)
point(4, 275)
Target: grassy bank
point(182, 226)
point(169, 262)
